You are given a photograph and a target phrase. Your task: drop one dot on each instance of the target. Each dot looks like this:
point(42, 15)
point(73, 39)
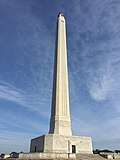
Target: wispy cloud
point(103, 83)
point(77, 124)
point(99, 45)
point(32, 102)
point(23, 123)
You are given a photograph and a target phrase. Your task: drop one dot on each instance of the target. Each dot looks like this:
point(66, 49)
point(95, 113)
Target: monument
point(59, 142)
point(60, 139)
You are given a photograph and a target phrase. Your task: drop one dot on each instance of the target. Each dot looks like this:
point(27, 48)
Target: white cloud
point(22, 123)
point(80, 127)
point(32, 102)
point(96, 27)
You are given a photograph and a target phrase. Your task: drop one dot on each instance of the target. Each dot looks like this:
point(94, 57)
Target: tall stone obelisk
point(60, 114)
point(60, 138)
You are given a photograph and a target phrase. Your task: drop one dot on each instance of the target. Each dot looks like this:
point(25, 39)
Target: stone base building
point(51, 143)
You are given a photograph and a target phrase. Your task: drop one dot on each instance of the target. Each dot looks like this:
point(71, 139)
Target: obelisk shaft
point(60, 114)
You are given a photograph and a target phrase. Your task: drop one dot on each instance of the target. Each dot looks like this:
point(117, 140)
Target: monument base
point(42, 156)
point(53, 143)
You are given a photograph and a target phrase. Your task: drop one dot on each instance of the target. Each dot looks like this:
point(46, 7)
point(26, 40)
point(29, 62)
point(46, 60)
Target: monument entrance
point(73, 149)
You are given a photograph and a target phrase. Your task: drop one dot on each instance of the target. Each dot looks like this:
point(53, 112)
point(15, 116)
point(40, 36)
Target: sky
point(27, 43)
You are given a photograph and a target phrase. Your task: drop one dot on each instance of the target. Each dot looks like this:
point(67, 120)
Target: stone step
point(89, 157)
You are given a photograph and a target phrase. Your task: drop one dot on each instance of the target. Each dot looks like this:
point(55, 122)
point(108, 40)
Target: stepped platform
point(78, 157)
point(91, 157)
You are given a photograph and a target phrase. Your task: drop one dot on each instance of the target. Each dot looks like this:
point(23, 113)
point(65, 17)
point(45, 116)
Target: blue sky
point(27, 42)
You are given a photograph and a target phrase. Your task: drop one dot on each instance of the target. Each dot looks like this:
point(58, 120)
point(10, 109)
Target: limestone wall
point(53, 143)
point(42, 156)
point(37, 144)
